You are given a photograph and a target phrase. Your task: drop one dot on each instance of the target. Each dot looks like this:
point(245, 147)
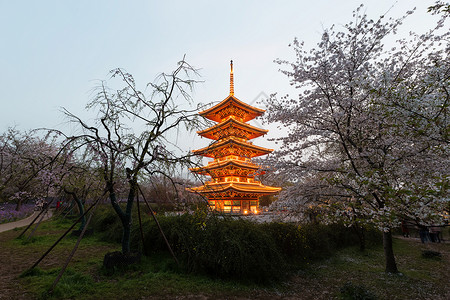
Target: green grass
point(136, 282)
point(156, 276)
point(418, 278)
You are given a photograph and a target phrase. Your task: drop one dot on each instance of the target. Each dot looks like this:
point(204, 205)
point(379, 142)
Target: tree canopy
point(369, 131)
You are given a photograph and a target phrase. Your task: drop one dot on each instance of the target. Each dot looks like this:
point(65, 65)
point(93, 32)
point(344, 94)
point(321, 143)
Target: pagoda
point(233, 188)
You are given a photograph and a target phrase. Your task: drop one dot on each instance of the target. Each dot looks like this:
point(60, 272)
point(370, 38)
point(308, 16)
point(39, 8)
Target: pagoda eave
point(237, 187)
point(214, 149)
point(225, 164)
point(251, 112)
point(234, 127)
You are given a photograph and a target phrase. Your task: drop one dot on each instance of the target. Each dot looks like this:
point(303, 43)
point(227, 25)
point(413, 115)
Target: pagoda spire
point(231, 79)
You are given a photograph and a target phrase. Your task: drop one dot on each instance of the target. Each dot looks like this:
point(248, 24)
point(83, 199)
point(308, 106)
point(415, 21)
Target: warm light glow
point(231, 79)
point(232, 181)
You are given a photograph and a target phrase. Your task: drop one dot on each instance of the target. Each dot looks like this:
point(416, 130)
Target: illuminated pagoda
point(233, 188)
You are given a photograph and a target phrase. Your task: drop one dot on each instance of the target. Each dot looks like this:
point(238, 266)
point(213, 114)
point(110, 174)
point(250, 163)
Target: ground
point(420, 279)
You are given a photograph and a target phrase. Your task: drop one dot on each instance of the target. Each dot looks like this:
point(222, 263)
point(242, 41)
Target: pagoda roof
point(205, 170)
point(227, 147)
point(225, 128)
point(241, 187)
point(221, 110)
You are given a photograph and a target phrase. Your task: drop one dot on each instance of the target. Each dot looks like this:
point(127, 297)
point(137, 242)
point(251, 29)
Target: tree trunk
point(81, 209)
point(125, 216)
point(391, 266)
point(126, 221)
point(19, 204)
point(126, 236)
point(360, 232)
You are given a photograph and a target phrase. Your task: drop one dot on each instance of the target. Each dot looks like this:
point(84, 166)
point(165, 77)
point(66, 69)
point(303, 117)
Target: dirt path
point(12, 264)
point(23, 222)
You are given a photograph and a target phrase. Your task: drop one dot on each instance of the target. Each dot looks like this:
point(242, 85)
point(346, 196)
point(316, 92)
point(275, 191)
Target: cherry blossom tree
point(368, 133)
point(28, 166)
point(132, 135)
point(81, 179)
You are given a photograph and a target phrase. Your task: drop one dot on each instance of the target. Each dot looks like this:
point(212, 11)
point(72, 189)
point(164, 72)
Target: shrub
point(107, 224)
point(351, 291)
point(8, 212)
point(229, 247)
point(431, 254)
point(220, 247)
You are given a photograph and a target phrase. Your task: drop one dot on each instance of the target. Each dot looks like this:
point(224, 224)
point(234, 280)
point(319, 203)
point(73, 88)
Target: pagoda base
point(243, 207)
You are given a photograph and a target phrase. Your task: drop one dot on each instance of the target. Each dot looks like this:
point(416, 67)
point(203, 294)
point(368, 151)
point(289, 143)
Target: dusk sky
point(52, 53)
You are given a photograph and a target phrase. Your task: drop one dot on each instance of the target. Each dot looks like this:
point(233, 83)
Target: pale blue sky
point(52, 52)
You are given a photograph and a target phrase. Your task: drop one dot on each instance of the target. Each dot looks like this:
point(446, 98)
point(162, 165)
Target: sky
point(53, 53)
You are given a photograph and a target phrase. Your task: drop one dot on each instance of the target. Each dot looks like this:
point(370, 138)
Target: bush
point(219, 247)
point(107, 224)
point(431, 254)
point(227, 247)
point(351, 291)
point(8, 212)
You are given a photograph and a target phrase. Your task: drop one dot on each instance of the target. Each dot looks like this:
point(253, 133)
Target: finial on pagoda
point(231, 79)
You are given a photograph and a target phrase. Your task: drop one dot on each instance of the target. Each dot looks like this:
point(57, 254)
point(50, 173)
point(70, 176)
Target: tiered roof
point(227, 168)
point(232, 146)
point(241, 187)
point(232, 106)
point(231, 171)
point(232, 127)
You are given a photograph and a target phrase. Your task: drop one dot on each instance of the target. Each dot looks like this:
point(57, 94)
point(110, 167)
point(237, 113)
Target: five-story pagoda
point(233, 188)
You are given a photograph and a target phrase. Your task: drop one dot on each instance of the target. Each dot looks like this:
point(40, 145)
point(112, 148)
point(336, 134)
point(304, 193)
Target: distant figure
point(424, 234)
point(39, 204)
point(405, 229)
point(45, 207)
point(435, 232)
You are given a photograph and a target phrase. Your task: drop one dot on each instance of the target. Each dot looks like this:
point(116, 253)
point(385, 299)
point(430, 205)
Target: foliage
point(431, 254)
point(8, 213)
point(351, 291)
point(227, 247)
point(28, 166)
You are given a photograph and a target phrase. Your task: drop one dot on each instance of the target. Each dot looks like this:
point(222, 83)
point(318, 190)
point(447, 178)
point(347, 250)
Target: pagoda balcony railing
point(232, 179)
point(233, 157)
point(237, 138)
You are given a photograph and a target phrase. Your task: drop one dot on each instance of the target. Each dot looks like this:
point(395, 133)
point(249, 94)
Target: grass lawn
point(421, 278)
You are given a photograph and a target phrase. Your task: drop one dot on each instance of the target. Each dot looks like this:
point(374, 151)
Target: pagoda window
point(227, 203)
point(236, 209)
point(236, 203)
point(227, 209)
